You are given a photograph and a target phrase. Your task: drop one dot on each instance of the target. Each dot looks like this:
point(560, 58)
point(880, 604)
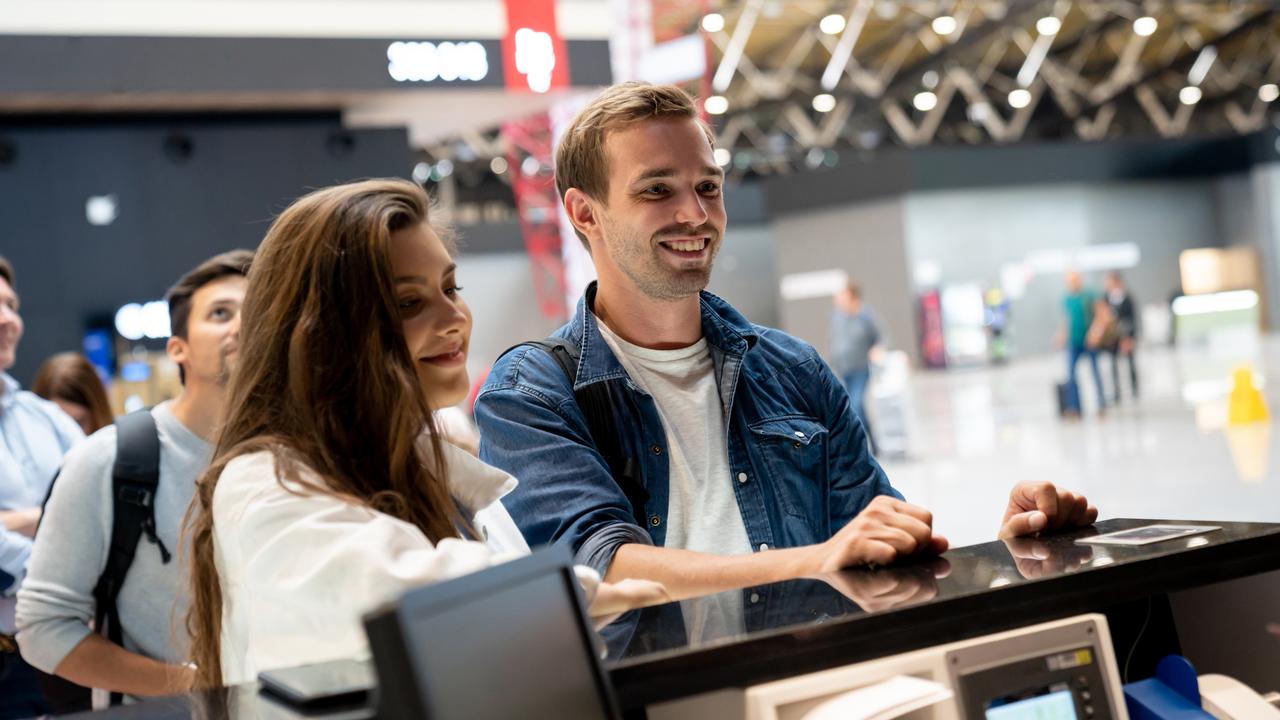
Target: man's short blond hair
point(581, 161)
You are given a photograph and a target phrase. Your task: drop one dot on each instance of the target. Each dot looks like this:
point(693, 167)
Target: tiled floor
point(976, 432)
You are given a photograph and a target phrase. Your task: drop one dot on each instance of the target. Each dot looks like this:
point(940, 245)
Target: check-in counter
point(807, 625)
point(1155, 600)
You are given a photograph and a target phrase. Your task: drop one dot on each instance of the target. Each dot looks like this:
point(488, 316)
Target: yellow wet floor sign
point(1246, 404)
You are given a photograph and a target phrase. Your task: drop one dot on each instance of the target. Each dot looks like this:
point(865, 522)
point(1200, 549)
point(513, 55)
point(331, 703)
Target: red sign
point(534, 57)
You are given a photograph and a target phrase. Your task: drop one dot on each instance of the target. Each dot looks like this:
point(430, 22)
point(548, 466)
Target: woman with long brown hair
point(73, 384)
point(329, 494)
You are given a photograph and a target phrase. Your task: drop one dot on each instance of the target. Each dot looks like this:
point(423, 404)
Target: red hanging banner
point(534, 56)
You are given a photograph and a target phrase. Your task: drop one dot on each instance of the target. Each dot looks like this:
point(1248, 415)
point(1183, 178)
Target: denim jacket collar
point(725, 329)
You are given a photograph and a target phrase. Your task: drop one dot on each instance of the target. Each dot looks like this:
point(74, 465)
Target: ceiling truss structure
point(988, 72)
point(964, 72)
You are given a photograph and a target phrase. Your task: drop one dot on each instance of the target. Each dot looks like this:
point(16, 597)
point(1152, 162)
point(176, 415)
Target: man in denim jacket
point(753, 466)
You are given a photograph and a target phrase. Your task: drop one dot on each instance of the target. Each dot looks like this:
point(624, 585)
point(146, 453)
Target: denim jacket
point(798, 456)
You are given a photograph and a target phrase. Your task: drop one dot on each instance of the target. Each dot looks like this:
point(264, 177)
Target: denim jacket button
point(799, 434)
point(755, 598)
point(654, 520)
point(742, 477)
point(764, 546)
point(656, 450)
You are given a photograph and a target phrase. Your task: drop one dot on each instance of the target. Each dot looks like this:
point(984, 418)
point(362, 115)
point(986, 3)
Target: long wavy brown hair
point(324, 380)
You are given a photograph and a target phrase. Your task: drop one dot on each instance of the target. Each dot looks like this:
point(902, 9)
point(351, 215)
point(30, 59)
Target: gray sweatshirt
point(852, 337)
point(55, 603)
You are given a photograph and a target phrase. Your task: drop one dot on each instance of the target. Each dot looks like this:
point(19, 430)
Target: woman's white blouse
point(299, 569)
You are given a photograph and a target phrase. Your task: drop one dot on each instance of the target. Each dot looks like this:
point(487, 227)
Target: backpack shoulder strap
point(598, 406)
point(134, 479)
point(564, 352)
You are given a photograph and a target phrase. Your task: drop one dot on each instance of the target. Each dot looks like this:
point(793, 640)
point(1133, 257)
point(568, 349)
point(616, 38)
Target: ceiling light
point(712, 22)
point(1145, 26)
point(1020, 98)
point(944, 25)
point(716, 104)
point(723, 156)
point(101, 209)
point(824, 102)
point(1189, 95)
point(978, 112)
point(925, 101)
point(886, 9)
point(1048, 25)
point(832, 24)
point(1269, 92)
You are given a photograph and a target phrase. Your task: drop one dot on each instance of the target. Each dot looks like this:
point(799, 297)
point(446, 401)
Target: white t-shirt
point(702, 510)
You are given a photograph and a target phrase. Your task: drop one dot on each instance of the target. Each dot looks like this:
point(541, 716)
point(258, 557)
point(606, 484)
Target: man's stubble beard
point(225, 366)
point(636, 257)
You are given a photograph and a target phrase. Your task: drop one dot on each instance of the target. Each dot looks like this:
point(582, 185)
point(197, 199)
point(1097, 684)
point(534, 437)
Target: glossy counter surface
point(807, 625)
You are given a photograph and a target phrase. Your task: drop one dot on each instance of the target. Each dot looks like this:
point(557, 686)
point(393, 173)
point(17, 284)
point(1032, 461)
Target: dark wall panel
point(172, 212)
point(46, 64)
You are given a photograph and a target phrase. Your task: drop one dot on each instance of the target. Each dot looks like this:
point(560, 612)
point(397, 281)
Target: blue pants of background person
point(20, 695)
point(855, 383)
point(1074, 353)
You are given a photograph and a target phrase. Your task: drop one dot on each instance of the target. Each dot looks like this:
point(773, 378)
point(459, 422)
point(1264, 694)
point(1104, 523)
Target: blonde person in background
point(330, 493)
point(34, 435)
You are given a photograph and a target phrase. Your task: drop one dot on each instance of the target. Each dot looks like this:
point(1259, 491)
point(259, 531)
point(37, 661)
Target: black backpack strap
point(134, 479)
point(564, 352)
point(599, 406)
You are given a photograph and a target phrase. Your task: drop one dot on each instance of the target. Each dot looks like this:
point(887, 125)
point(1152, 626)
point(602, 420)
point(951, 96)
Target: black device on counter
point(510, 641)
point(322, 685)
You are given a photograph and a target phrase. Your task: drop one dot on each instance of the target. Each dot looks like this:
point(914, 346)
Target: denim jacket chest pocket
point(794, 450)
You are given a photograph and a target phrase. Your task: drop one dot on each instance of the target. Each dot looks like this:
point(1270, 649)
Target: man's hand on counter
point(886, 530)
point(1037, 506)
point(1036, 558)
point(875, 590)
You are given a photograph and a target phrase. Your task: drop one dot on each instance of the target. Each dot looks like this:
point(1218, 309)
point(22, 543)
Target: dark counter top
point(808, 625)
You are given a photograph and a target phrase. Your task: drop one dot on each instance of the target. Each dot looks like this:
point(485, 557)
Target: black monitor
point(510, 641)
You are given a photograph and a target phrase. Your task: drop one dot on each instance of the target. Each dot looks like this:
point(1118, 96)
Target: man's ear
point(583, 213)
point(176, 349)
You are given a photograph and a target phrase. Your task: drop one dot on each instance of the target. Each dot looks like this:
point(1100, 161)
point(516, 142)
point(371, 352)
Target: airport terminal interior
point(978, 245)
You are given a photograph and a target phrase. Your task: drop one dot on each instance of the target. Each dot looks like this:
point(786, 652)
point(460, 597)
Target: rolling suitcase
point(1068, 399)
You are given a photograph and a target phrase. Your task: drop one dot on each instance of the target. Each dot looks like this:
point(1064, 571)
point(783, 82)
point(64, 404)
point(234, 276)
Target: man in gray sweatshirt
point(56, 601)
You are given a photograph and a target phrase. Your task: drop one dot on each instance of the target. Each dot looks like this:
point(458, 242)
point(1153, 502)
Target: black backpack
point(134, 479)
point(598, 404)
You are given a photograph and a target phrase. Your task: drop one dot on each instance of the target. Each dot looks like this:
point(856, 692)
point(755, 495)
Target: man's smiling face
point(663, 218)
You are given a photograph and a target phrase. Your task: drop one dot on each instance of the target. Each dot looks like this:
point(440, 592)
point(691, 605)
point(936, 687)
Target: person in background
point(1104, 334)
point(1078, 306)
point(996, 317)
point(34, 435)
point(1121, 302)
point(74, 544)
point(856, 342)
point(72, 383)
